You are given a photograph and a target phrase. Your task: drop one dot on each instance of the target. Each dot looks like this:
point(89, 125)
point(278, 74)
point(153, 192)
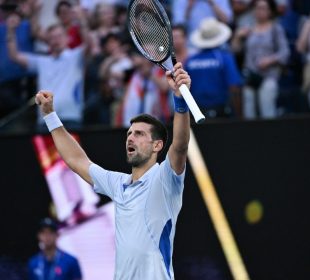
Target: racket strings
point(150, 30)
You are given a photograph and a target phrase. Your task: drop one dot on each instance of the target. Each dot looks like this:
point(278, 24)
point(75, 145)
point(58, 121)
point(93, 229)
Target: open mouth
point(130, 150)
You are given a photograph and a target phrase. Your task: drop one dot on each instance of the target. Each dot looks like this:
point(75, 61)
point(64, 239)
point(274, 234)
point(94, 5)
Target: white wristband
point(52, 121)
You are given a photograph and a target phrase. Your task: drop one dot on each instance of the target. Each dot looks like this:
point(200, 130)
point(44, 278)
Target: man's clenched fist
point(45, 101)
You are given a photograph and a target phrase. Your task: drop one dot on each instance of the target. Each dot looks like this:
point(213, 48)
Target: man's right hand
point(45, 101)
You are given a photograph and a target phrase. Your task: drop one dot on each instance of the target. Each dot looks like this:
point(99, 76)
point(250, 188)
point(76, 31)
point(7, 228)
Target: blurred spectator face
point(112, 45)
point(262, 11)
point(64, 13)
point(106, 15)
point(57, 39)
point(179, 38)
point(143, 66)
point(47, 238)
point(240, 6)
point(122, 17)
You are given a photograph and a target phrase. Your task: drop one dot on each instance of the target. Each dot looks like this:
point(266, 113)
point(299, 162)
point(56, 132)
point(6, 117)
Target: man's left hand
point(179, 78)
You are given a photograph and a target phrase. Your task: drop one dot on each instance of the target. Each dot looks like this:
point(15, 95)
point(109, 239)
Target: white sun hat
point(210, 34)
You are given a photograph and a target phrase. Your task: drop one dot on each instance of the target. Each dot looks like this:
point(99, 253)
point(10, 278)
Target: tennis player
point(147, 201)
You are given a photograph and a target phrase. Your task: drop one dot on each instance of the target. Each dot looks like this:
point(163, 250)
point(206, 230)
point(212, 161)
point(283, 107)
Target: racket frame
point(198, 116)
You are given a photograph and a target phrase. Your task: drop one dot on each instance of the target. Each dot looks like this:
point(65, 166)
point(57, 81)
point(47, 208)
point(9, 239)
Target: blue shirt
point(62, 267)
point(10, 70)
point(212, 72)
point(146, 213)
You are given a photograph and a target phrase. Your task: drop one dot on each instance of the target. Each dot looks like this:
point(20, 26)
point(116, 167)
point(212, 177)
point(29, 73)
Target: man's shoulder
point(33, 260)
point(166, 167)
point(96, 167)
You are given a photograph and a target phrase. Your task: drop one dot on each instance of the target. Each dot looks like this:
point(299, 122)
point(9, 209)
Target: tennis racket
point(150, 30)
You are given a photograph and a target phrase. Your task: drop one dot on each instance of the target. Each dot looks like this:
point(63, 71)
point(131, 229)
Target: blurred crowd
point(247, 59)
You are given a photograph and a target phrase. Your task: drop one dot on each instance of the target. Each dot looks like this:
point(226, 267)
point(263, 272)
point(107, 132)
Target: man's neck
point(50, 253)
point(138, 172)
point(57, 53)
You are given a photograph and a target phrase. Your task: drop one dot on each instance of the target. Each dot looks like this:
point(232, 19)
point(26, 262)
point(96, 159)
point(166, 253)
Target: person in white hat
point(213, 69)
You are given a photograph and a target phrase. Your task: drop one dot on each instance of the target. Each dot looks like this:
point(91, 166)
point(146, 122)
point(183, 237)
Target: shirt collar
point(142, 179)
point(63, 53)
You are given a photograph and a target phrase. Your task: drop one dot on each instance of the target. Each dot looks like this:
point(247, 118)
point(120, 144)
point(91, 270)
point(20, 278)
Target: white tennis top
point(145, 218)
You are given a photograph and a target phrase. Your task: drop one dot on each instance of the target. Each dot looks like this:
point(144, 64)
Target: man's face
point(179, 39)
point(139, 144)
point(112, 46)
point(65, 14)
point(57, 39)
point(47, 238)
point(262, 10)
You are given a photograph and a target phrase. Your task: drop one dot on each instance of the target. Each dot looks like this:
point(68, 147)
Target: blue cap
point(48, 223)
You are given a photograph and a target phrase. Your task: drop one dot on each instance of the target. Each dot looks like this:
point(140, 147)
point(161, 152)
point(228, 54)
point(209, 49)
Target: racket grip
point(192, 105)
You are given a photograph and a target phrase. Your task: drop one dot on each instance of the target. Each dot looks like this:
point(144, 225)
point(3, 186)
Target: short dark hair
point(158, 130)
point(181, 27)
point(60, 4)
point(272, 6)
point(111, 35)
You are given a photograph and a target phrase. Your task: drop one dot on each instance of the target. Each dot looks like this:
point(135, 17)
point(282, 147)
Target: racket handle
point(192, 105)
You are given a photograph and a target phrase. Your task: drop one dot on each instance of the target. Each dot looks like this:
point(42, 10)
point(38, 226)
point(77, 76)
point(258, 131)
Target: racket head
point(150, 29)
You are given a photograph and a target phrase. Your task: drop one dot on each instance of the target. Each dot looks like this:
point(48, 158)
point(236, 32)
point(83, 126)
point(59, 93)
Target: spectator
point(303, 46)
point(179, 41)
point(16, 83)
point(265, 47)
point(60, 71)
point(65, 13)
point(51, 262)
point(215, 77)
point(243, 13)
point(121, 22)
point(108, 86)
point(192, 12)
point(147, 92)
point(89, 5)
point(105, 23)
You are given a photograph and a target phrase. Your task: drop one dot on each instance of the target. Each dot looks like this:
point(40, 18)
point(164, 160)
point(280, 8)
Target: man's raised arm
point(181, 124)
point(12, 22)
point(67, 146)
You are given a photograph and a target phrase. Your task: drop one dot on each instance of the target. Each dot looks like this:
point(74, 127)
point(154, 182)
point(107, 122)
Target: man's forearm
point(178, 149)
point(181, 124)
point(71, 152)
point(11, 44)
point(14, 54)
point(67, 146)
point(181, 132)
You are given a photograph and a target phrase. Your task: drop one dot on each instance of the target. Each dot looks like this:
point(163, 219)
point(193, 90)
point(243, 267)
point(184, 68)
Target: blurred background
point(249, 63)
